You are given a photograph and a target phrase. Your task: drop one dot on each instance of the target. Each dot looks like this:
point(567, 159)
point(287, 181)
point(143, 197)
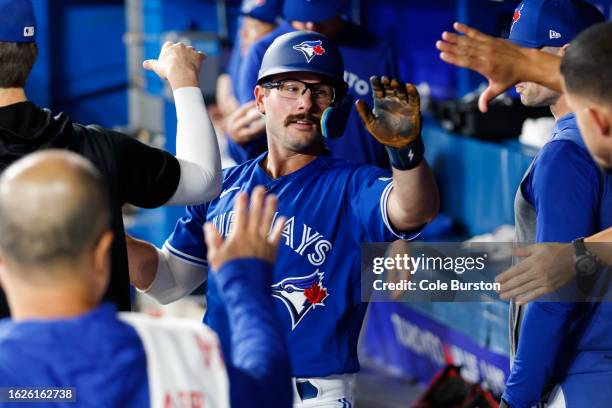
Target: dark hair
point(586, 64)
point(16, 61)
point(60, 227)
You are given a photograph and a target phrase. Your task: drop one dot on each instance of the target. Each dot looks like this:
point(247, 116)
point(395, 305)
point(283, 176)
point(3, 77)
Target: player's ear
point(563, 50)
point(600, 120)
point(259, 96)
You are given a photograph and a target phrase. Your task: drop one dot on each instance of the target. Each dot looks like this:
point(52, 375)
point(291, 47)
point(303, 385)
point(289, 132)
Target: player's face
point(295, 124)
point(595, 132)
point(533, 94)
point(252, 30)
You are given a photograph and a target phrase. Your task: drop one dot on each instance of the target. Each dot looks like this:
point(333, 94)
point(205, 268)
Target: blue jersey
point(563, 342)
point(331, 207)
point(96, 353)
point(364, 55)
point(105, 360)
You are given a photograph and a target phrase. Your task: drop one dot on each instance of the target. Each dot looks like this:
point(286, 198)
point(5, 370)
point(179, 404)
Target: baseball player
point(136, 173)
point(54, 252)
point(258, 18)
point(364, 55)
point(559, 342)
point(331, 206)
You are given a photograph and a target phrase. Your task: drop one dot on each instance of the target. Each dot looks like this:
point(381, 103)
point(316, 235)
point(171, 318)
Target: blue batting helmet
point(303, 51)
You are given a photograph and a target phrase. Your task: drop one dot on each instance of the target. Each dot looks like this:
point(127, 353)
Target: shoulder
point(232, 174)
point(352, 172)
point(563, 156)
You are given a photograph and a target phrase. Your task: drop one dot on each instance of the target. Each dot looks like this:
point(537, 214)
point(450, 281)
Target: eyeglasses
point(322, 94)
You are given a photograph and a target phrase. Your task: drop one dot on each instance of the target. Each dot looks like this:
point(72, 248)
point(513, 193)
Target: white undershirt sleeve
point(197, 150)
point(174, 278)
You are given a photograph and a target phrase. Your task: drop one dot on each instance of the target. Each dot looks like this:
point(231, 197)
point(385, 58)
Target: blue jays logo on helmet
point(301, 294)
point(310, 49)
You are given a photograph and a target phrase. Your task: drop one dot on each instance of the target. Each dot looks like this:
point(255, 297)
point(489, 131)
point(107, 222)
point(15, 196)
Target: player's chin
point(300, 139)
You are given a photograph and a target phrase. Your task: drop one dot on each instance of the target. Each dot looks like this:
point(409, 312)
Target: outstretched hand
point(252, 235)
point(500, 61)
point(395, 120)
point(546, 268)
point(178, 63)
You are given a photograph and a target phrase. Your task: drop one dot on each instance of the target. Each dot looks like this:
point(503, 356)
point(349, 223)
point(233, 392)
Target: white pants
point(335, 391)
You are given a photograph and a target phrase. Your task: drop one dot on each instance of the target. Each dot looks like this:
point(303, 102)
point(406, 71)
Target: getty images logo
point(552, 34)
point(28, 31)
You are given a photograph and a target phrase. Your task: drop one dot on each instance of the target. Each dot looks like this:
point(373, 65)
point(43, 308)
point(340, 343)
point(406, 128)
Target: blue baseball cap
point(17, 22)
point(303, 51)
point(551, 23)
point(311, 10)
point(264, 10)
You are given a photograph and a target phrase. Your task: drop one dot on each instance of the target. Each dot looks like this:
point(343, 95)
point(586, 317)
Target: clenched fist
point(178, 63)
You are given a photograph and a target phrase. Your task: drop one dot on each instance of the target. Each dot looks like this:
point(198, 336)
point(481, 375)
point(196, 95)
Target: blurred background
point(90, 66)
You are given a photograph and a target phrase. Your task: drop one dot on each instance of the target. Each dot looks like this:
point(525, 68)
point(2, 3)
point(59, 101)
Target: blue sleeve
point(565, 193)
point(369, 191)
point(248, 72)
point(565, 190)
point(259, 373)
point(544, 332)
point(187, 239)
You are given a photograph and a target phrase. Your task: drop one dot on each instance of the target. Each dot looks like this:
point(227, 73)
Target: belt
point(330, 388)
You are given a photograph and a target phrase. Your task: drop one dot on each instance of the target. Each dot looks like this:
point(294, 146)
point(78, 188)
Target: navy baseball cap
point(311, 10)
point(17, 22)
point(264, 10)
point(551, 23)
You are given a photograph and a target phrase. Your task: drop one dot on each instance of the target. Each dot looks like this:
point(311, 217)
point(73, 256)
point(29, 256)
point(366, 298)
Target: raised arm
point(503, 64)
point(395, 122)
point(259, 372)
point(197, 148)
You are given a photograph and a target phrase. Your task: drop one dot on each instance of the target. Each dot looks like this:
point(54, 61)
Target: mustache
point(303, 116)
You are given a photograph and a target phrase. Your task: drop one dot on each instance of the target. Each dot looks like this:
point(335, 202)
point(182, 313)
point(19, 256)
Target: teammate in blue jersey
point(563, 196)
point(364, 55)
point(54, 266)
point(331, 206)
point(258, 18)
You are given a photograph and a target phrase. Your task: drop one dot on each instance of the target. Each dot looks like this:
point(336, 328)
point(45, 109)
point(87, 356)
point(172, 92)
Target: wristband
point(407, 157)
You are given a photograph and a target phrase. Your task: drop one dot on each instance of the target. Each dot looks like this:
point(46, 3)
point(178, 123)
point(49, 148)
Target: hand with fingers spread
point(245, 124)
point(178, 63)
point(395, 120)
point(546, 268)
point(503, 63)
point(250, 236)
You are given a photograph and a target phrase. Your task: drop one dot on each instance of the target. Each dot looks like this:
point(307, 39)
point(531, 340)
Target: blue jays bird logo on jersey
point(310, 49)
point(301, 294)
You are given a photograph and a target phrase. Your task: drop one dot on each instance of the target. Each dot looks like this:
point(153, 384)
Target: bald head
point(53, 209)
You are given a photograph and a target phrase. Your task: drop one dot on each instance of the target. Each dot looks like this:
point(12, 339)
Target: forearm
point(197, 150)
point(159, 274)
point(414, 200)
point(543, 332)
point(142, 262)
point(600, 244)
point(542, 68)
point(260, 358)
